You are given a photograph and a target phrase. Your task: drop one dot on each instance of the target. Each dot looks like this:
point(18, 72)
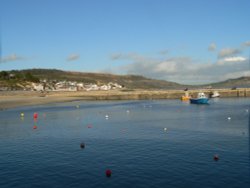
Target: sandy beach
point(12, 99)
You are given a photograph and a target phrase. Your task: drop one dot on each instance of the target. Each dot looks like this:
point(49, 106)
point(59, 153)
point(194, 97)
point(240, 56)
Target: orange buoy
point(35, 115)
point(34, 127)
point(216, 157)
point(108, 173)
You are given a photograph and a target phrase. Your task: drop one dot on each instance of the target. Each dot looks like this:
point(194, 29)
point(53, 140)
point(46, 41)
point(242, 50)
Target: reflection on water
point(155, 143)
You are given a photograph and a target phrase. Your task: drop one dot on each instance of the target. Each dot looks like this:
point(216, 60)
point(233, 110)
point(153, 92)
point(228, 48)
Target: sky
point(185, 41)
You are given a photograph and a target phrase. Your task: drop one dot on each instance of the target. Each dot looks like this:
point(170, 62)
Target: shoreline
point(13, 99)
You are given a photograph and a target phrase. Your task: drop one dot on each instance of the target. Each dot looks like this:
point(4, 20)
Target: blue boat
point(201, 99)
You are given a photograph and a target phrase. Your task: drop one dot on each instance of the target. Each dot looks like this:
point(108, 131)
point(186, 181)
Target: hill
point(128, 81)
point(18, 79)
point(242, 82)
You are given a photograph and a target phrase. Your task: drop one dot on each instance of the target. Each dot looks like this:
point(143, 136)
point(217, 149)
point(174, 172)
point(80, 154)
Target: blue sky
point(187, 41)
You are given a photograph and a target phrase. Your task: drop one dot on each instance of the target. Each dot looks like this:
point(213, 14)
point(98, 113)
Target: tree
point(4, 75)
point(29, 77)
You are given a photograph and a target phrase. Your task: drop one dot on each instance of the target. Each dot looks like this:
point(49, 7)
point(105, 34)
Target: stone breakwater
point(152, 94)
point(11, 99)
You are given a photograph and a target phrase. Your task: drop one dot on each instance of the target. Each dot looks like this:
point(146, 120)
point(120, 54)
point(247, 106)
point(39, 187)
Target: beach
point(12, 99)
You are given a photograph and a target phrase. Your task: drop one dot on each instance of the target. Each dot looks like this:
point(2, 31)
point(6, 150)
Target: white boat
point(214, 94)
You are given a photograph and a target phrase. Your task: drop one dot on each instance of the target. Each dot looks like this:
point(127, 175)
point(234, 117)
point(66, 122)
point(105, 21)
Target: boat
point(185, 97)
point(214, 94)
point(201, 99)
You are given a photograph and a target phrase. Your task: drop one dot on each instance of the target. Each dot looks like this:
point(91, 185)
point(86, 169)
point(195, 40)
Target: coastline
point(13, 99)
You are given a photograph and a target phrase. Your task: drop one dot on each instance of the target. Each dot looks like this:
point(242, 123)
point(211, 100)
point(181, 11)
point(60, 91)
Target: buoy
point(216, 157)
point(229, 118)
point(165, 129)
point(82, 145)
point(35, 115)
point(77, 106)
point(128, 111)
point(34, 127)
point(22, 114)
point(108, 173)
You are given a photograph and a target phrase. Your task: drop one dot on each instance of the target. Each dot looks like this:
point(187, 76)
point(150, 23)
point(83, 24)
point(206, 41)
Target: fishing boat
point(201, 99)
point(185, 97)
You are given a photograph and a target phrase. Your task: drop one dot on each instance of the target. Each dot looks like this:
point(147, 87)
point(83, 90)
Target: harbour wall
point(159, 94)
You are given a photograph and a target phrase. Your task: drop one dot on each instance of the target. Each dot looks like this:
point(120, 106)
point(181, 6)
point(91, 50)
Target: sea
point(143, 143)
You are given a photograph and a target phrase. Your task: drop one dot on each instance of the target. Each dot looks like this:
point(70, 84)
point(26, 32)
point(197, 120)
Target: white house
point(38, 87)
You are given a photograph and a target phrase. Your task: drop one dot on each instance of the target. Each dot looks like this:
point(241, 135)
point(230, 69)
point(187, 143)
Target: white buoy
point(128, 111)
point(229, 118)
point(165, 129)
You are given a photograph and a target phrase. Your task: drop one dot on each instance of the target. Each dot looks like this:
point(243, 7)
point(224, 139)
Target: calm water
point(131, 142)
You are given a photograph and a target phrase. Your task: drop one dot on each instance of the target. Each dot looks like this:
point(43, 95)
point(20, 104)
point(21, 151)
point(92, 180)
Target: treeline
point(18, 76)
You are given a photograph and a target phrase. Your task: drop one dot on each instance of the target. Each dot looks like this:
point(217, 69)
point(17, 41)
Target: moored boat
point(185, 97)
point(201, 99)
point(214, 94)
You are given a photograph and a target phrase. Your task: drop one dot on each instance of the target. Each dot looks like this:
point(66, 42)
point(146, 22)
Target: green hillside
point(18, 79)
point(128, 81)
point(242, 82)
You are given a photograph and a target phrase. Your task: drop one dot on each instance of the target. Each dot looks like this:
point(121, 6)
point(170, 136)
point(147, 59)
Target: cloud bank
point(186, 70)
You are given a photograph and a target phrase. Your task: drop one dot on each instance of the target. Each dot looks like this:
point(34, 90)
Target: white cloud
point(184, 70)
point(246, 44)
point(12, 57)
point(235, 59)
point(228, 52)
point(73, 57)
point(212, 47)
point(231, 60)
